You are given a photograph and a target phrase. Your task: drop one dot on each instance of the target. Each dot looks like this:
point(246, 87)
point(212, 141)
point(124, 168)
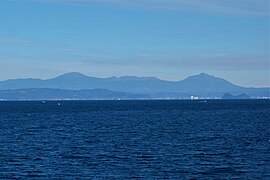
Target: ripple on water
point(135, 139)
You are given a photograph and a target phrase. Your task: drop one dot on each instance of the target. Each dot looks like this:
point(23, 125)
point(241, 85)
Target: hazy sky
point(168, 39)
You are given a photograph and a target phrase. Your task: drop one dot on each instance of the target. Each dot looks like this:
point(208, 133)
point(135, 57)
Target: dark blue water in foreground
point(135, 139)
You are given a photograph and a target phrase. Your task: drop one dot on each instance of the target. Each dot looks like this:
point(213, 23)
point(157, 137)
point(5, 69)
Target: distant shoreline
point(201, 100)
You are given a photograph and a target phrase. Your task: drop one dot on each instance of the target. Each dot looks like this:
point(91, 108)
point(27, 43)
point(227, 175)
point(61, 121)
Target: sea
point(200, 139)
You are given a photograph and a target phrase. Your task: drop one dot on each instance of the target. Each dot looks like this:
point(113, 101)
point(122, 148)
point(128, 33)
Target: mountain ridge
point(202, 85)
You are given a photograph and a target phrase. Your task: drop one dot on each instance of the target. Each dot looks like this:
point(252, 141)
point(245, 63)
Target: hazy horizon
point(169, 40)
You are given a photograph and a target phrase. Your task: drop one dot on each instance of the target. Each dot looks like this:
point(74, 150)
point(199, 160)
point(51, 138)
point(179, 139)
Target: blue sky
point(169, 39)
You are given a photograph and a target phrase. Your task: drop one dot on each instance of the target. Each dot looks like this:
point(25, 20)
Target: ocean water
point(216, 139)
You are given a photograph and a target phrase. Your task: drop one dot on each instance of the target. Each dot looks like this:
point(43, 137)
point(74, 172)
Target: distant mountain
point(206, 83)
point(201, 85)
point(230, 96)
point(58, 94)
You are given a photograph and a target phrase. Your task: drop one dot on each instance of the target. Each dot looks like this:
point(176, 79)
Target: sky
point(168, 39)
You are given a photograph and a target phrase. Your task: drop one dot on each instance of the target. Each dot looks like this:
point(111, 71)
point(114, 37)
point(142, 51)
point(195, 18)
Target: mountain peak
point(206, 82)
point(72, 75)
point(202, 76)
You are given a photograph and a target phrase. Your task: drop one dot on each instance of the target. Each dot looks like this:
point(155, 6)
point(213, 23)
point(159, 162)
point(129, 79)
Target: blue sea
point(213, 139)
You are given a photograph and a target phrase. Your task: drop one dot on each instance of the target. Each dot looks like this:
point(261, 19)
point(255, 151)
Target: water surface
point(217, 139)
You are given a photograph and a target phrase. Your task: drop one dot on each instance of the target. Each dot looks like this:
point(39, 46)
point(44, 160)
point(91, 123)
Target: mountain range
point(76, 85)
